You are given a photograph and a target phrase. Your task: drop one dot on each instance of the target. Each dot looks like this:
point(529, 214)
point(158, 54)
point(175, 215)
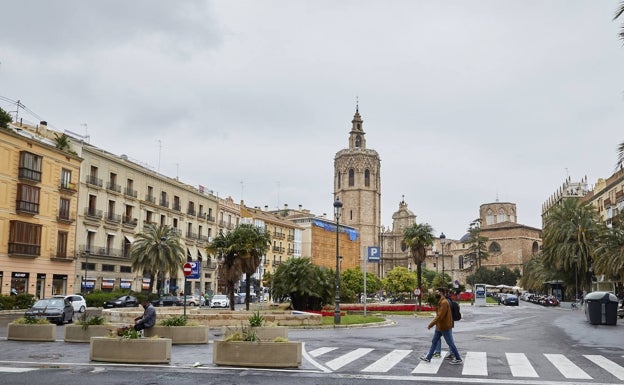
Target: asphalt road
point(524, 345)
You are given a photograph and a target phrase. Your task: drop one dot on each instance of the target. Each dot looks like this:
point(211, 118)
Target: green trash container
point(601, 308)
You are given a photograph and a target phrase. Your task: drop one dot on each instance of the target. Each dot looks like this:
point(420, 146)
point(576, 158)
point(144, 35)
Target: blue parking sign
point(374, 254)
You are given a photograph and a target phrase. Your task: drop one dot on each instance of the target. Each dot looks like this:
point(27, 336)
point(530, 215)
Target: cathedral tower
point(357, 183)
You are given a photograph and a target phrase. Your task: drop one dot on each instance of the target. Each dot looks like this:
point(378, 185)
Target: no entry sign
point(188, 269)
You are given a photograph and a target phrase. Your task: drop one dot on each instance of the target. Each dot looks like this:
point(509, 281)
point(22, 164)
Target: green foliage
point(417, 238)
point(128, 332)
point(97, 298)
point(499, 276)
point(308, 286)
point(354, 319)
point(477, 249)
point(352, 283)
point(247, 334)
point(6, 302)
point(86, 322)
point(399, 280)
point(23, 301)
point(256, 320)
point(31, 321)
point(5, 119)
point(174, 321)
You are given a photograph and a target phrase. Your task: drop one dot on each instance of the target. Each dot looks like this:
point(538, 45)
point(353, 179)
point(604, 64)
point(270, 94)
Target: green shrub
point(23, 301)
point(128, 332)
point(7, 302)
point(174, 321)
point(256, 320)
point(31, 321)
point(86, 322)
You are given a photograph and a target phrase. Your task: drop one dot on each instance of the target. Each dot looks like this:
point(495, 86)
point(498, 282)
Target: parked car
point(620, 310)
point(78, 302)
point(123, 301)
point(510, 300)
point(56, 310)
point(191, 300)
point(220, 300)
point(168, 300)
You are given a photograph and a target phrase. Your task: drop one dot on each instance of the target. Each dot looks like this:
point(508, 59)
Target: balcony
point(65, 217)
point(112, 218)
point(93, 180)
point(106, 252)
point(130, 192)
point(164, 203)
point(201, 216)
point(25, 207)
point(291, 251)
point(24, 250)
point(291, 237)
point(93, 213)
point(61, 256)
point(68, 187)
point(190, 211)
point(111, 186)
point(278, 249)
point(279, 235)
point(176, 206)
point(29, 174)
point(210, 218)
point(130, 222)
point(191, 235)
point(230, 226)
point(277, 263)
point(150, 198)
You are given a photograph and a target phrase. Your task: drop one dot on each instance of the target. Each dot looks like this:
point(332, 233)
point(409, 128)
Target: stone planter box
point(135, 351)
point(26, 332)
point(180, 334)
point(75, 333)
point(264, 333)
point(262, 354)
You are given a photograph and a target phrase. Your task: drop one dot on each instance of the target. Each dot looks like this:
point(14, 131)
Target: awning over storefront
point(191, 252)
point(202, 253)
point(108, 283)
point(126, 283)
point(90, 283)
point(130, 238)
point(145, 284)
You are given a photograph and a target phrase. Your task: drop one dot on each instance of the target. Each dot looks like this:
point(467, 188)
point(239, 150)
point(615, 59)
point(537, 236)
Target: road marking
point(345, 359)
point(475, 364)
point(567, 368)
point(387, 362)
point(320, 351)
point(607, 365)
point(430, 367)
point(16, 370)
point(520, 365)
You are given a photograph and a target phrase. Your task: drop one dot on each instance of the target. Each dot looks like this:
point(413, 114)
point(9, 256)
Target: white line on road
point(520, 365)
point(567, 368)
point(387, 362)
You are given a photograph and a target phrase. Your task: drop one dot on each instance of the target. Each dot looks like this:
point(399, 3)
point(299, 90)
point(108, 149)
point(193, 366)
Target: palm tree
point(618, 12)
point(477, 249)
point(417, 238)
point(570, 236)
point(620, 161)
point(240, 251)
point(609, 255)
point(157, 250)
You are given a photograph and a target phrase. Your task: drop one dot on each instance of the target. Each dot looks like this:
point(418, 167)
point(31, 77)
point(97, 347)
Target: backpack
point(455, 310)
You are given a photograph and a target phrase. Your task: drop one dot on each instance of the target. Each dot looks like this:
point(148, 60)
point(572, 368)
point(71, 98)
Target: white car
point(220, 300)
point(78, 302)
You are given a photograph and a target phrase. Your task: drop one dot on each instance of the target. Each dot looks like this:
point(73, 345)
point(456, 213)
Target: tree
point(157, 249)
point(609, 255)
point(477, 249)
point(62, 142)
point(417, 238)
point(535, 274)
point(240, 251)
point(399, 280)
point(571, 234)
point(619, 11)
point(352, 280)
point(308, 286)
point(5, 119)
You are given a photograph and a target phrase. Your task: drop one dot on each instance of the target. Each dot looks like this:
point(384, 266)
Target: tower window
point(351, 177)
point(358, 141)
point(367, 178)
point(339, 179)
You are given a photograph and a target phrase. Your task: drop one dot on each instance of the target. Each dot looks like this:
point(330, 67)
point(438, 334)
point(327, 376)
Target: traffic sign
point(417, 292)
point(188, 269)
point(374, 254)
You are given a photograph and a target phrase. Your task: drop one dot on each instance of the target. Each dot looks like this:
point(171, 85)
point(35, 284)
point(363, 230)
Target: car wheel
point(192, 304)
point(62, 320)
point(82, 309)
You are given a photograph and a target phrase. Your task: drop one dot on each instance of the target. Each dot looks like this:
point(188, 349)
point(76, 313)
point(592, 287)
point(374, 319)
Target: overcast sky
point(466, 102)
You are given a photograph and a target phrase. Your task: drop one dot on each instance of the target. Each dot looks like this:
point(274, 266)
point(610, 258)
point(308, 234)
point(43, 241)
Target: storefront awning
point(191, 252)
point(125, 283)
point(108, 283)
point(130, 238)
point(202, 253)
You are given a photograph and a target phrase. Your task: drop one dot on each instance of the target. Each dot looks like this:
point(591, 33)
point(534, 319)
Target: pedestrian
point(443, 322)
point(438, 349)
point(148, 319)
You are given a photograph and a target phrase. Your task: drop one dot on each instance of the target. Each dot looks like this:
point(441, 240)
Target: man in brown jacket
point(443, 322)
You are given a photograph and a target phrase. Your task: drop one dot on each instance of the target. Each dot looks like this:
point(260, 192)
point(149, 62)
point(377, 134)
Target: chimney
point(43, 123)
point(300, 207)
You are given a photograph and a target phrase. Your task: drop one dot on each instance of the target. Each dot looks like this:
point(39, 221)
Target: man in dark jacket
point(148, 319)
point(443, 322)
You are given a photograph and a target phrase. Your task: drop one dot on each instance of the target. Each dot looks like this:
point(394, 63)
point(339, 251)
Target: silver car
point(220, 300)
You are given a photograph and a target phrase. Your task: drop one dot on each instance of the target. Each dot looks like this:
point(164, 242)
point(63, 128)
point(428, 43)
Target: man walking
point(443, 322)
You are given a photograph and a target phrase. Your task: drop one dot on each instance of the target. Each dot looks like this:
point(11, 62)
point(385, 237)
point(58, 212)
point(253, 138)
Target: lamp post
point(437, 263)
point(84, 278)
point(575, 278)
point(442, 242)
point(337, 213)
point(163, 241)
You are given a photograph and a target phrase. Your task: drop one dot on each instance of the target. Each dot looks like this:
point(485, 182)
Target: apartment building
point(38, 204)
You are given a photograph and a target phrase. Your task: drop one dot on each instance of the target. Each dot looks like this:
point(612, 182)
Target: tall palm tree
point(157, 250)
point(609, 255)
point(240, 251)
point(476, 248)
point(570, 236)
point(620, 161)
point(619, 12)
point(417, 238)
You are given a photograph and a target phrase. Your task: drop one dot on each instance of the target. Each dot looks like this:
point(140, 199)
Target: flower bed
point(375, 307)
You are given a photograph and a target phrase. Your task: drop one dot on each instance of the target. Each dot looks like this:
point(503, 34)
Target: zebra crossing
point(519, 365)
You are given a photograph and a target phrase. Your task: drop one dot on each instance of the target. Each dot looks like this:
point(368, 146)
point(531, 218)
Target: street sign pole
point(188, 270)
point(184, 298)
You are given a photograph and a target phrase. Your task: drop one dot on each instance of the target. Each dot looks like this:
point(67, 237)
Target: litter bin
point(601, 308)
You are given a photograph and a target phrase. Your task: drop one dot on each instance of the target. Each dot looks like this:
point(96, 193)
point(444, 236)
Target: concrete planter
point(75, 333)
point(264, 333)
point(180, 334)
point(135, 351)
point(262, 354)
point(32, 332)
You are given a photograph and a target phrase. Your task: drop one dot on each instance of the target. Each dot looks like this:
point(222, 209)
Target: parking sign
point(374, 254)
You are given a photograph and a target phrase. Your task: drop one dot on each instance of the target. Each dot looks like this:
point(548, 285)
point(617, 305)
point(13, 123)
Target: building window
point(109, 268)
point(339, 179)
point(489, 217)
point(61, 244)
point(502, 216)
point(494, 248)
point(30, 166)
point(66, 179)
point(25, 238)
point(64, 209)
point(358, 141)
point(351, 177)
point(27, 198)
point(367, 178)
point(125, 269)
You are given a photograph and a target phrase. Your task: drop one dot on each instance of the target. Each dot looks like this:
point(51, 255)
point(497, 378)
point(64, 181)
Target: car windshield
point(219, 297)
point(49, 303)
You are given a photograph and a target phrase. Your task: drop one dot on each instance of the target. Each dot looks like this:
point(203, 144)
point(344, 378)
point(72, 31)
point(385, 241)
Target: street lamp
point(84, 278)
point(442, 241)
point(437, 263)
point(576, 278)
point(337, 213)
point(163, 241)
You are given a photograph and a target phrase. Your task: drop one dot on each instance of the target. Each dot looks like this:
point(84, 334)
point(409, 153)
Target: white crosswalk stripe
point(475, 363)
point(15, 370)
